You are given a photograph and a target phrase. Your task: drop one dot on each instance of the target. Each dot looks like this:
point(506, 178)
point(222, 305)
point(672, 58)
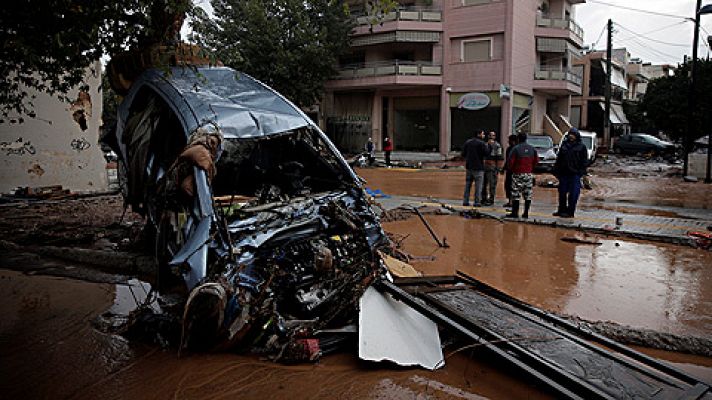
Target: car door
point(637, 144)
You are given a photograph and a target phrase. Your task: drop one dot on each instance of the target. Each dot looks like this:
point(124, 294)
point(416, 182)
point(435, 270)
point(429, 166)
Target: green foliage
point(291, 45)
point(666, 102)
point(48, 45)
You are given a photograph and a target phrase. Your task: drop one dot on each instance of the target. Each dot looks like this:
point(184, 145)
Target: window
point(475, 2)
point(476, 50)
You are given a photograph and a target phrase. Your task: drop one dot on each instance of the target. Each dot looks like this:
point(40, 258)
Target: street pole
point(691, 93)
point(708, 177)
point(608, 89)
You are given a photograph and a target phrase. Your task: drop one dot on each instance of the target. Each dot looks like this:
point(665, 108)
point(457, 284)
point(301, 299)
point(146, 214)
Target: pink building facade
point(435, 71)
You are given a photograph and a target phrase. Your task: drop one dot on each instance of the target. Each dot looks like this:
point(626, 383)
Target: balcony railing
point(390, 67)
point(547, 22)
point(557, 73)
point(410, 13)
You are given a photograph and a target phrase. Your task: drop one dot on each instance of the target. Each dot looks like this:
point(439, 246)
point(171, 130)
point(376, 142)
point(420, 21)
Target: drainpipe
point(506, 103)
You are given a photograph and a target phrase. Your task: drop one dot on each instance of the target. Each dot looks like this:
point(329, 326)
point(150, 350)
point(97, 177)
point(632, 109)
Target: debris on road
point(391, 330)
point(703, 240)
point(440, 243)
point(582, 240)
point(399, 268)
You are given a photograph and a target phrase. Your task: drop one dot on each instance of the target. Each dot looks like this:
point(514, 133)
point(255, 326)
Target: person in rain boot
point(521, 162)
point(571, 164)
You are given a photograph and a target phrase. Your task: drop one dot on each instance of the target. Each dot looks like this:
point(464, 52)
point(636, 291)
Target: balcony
point(404, 14)
point(403, 19)
point(557, 80)
point(560, 28)
point(388, 73)
point(389, 67)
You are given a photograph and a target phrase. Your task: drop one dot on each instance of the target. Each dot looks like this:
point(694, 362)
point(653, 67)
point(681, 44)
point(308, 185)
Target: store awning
point(617, 115)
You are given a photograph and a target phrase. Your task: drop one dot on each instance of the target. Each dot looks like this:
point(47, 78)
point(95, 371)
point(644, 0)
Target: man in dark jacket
point(474, 152)
point(571, 163)
point(521, 162)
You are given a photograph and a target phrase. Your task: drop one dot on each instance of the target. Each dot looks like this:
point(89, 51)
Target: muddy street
point(652, 286)
point(651, 188)
point(50, 350)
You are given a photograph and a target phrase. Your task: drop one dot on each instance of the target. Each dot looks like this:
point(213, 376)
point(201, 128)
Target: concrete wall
point(53, 149)
point(697, 165)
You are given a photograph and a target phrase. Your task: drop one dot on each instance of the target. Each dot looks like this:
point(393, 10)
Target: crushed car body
point(261, 227)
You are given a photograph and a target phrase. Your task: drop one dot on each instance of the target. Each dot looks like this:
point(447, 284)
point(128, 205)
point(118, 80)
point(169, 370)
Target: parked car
point(641, 143)
point(589, 140)
point(545, 149)
point(276, 240)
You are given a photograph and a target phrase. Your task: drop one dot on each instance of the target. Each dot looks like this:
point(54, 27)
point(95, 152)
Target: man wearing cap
point(571, 164)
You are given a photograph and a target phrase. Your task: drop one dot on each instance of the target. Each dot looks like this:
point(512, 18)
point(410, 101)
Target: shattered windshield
point(276, 168)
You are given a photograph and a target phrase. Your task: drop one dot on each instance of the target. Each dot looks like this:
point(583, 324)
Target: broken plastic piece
point(391, 330)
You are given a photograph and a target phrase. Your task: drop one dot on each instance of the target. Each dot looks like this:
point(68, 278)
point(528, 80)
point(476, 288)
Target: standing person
point(571, 163)
point(387, 148)
point(521, 162)
point(474, 152)
point(493, 162)
point(512, 141)
point(370, 149)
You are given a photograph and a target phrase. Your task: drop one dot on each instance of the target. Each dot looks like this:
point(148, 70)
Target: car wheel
point(617, 150)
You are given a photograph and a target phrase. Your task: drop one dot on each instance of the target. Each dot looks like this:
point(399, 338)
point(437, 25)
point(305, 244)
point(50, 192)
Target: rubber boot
point(527, 204)
point(515, 210)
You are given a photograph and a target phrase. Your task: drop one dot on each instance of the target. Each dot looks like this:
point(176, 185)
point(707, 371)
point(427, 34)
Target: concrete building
point(437, 69)
point(59, 146)
point(637, 78)
point(587, 110)
point(639, 74)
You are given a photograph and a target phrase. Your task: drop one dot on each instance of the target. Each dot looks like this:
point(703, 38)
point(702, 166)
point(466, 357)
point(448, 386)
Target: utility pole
point(607, 92)
point(691, 93)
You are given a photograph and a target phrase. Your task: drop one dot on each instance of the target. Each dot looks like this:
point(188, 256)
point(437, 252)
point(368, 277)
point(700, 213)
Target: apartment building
point(435, 70)
point(587, 110)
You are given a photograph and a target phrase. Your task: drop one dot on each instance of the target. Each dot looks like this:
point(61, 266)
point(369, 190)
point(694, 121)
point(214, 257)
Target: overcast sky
point(674, 32)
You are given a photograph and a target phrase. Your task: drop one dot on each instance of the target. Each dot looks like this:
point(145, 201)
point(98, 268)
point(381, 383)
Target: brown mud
point(92, 222)
point(50, 350)
point(631, 187)
point(660, 287)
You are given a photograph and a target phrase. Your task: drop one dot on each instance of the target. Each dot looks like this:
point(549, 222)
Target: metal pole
point(691, 93)
point(608, 88)
point(708, 178)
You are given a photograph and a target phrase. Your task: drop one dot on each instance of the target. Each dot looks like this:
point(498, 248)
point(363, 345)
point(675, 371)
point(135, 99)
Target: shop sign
point(473, 101)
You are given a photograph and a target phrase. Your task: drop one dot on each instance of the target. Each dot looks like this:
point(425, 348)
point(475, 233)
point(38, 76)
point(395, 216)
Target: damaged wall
point(59, 146)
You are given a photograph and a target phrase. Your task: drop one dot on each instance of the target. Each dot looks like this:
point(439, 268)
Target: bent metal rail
point(572, 362)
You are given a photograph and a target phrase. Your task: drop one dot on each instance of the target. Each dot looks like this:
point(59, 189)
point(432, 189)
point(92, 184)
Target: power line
point(651, 50)
point(600, 35)
point(651, 39)
point(659, 29)
point(638, 10)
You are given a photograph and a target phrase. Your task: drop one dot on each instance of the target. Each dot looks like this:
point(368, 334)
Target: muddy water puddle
point(661, 287)
point(449, 184)
point(50, 350)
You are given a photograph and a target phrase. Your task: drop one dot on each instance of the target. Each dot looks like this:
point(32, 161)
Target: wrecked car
point(262, 230)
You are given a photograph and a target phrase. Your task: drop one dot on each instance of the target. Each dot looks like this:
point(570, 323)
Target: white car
point(589, 140)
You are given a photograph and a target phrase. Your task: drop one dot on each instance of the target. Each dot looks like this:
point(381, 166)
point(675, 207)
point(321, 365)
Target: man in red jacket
point(522, 160)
